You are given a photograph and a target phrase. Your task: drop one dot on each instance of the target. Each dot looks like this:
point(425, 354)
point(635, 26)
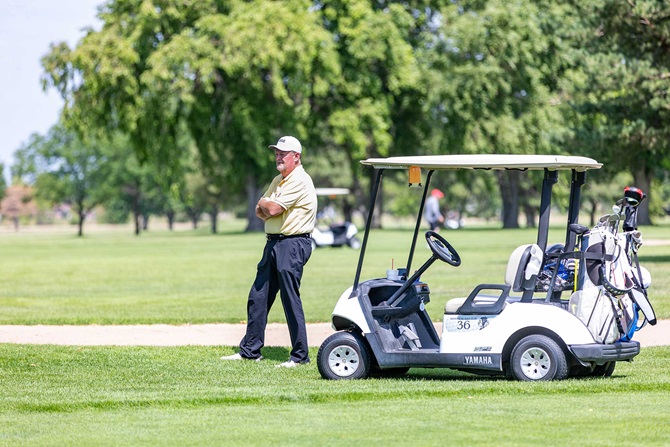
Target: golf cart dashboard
point(380, 290)
point(377, 294)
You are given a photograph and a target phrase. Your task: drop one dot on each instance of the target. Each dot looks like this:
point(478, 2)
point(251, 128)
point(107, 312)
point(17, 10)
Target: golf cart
point(523, 328)
point(336, 234)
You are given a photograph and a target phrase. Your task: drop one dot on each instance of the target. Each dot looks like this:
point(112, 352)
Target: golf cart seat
point(522, 269)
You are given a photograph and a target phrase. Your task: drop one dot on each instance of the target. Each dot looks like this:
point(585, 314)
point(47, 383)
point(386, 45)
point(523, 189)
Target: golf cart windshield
point(551, 164)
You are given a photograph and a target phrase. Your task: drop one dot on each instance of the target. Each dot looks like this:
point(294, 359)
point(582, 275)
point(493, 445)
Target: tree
point(620, 94)
point(18, 203)
point(3, 182)
point(375, 107)
point(501, 65)
point(157, 67)
point(64, 169)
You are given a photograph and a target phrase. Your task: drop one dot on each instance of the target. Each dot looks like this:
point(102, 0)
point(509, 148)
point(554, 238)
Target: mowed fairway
point(186, 396)
point(114, 277)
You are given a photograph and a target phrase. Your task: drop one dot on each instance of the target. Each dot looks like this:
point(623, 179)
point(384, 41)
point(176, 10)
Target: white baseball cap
point(287, 144)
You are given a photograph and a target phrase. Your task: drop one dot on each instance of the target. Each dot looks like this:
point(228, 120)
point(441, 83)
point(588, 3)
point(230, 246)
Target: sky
point(27, 28)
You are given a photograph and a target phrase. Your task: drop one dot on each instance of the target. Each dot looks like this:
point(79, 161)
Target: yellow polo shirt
point(296, 194)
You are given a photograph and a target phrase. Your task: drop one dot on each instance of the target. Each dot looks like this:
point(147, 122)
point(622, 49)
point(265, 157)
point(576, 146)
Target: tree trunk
point(358, 201)
point(213, 214)
point(137, 214)
point(509, 190)
point(82, 216)
point(642, 178)
point(592, 212)
point(170, 220)
point(253, 194)
point(529, 211)
point(347, 210)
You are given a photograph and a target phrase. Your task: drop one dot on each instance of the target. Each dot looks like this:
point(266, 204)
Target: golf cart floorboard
point(433, 358)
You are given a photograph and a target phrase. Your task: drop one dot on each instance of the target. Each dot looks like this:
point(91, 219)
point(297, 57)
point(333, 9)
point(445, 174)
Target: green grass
point(104, 396)
point(186, 396)
point(113, 277)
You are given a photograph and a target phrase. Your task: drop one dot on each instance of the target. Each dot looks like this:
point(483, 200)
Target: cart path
point(209, 334)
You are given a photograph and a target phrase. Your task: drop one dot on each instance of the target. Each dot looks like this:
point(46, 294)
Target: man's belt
point(279, 237)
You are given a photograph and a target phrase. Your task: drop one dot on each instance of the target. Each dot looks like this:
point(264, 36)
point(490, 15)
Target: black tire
point(344, 355)
point(538, 357)
point(604, 370)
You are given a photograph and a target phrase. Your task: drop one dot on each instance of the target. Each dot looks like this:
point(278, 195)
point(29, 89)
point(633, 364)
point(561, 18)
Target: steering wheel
point(442, 249)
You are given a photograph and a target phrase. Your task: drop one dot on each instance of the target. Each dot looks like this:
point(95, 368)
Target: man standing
point(288, 208)
point(431, 210)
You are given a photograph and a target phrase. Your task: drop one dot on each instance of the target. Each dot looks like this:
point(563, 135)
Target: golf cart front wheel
point(538, 357)
point(355, 243)
point(343, 355)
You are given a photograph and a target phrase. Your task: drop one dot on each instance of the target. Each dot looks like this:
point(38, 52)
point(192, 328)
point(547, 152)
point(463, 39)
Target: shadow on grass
point(446, 374)
point(441, 374)
point(274, 353)
point(280, 354)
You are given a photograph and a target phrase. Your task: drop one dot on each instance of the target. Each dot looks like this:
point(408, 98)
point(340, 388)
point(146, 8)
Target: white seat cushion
point(453, 305)
point(524, 263)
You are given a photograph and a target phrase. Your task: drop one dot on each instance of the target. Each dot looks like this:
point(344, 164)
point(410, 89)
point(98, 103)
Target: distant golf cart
point(335, 234)
point(523, 328)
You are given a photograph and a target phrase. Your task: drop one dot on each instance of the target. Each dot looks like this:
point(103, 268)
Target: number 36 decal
point(466, 323)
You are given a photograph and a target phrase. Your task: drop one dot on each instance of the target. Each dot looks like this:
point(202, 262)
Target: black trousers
point(280, 270)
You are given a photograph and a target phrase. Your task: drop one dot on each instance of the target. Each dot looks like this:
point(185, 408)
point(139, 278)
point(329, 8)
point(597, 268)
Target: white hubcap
point(535, 363)
point(343, 360)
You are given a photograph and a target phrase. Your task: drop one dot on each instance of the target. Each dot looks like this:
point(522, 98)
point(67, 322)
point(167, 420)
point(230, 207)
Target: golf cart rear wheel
point(538, 357)
point(605, 370)
point(343, 355)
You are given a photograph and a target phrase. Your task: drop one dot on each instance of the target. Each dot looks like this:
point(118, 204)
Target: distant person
point(288, 208)
point(431, 210)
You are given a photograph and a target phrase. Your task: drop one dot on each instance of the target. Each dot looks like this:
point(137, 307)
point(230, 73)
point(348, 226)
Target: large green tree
point(621, 90)
point(497, 67)
point(235, 74)
point(376, 107)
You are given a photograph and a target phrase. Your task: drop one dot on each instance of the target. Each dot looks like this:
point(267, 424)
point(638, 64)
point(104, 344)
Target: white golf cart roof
point(486, 161)
point(332, 191)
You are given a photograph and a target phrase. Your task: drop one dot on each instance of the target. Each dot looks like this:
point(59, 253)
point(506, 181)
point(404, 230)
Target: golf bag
point(611, 299)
